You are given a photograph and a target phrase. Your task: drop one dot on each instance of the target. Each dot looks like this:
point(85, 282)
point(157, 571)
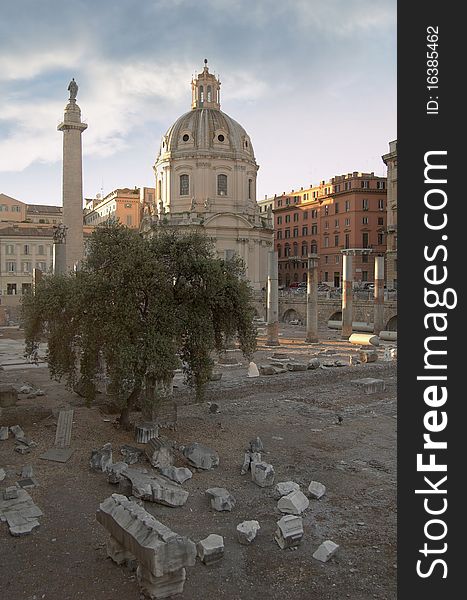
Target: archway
point(291, 315)
point(336, 316)
point(391, 325)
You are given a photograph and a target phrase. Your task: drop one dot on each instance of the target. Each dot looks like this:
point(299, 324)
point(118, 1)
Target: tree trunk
point(126, 410)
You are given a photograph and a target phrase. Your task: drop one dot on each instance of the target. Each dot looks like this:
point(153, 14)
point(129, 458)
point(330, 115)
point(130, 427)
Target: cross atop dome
point(205, 89)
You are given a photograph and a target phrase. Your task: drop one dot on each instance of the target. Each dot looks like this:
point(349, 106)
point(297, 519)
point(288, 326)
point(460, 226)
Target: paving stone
point(262, 474)
point(246, 531)
point(211, 549)
point(289, 531)
point(146, 431)
point(115, 471)
point(285, 487)
point(20, 525)
point(326, 551)
point(370, 385)
point(221, 499)
point(8, 395)
point(28, 482)
point(200, 456)
point(57, 454)
point(4, 432)
point(177, 474)
point(64, 427)
point(294, 503)
point(316, 489)
point(131, 455)
point(102, 458)
point(253, 370)
point(159, 453)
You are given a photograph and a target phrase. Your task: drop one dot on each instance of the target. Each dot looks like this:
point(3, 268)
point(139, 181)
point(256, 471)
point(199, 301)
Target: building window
point(201, 94)
point(222, 185)
point(326, 242)
point(295, 217)
point(365, 204)
point(365, 220)
point(279, 251)
point(11, 289)
point(364, 275)
point(184, 185)
point(279, 220)
point(305, 215)
point(336, 240)
point(296, 199)
point(26, 267)
point(326, 276)
point(314, 214)
point(295, 249)
point(347, 240)
point(287, 201)
point(314, 248)
point(364, 258)
point(380, 239)
point(337, 188)
point(250, 189)
point(337, 259)
point(336, 208)
point(347, 185)
point(326, 224)
point(129, 220)
point(336, 222)
point(26, 249)
point(287, 250)
point(380, 185)
point(347, 222)
point(295, 231)
point(380, 221)
point(326, 209)
point(305, 230)
point(26, 288)
point(287, 233)
point(304, 249)
point(381, 203)
point(10, 249)
point(279, 234)
point(11, 266)
point(365, 184)
point(347, 205)
point(41, 265)
point(287, 218)
point(40, 249)
point(365, 240)
point(314, 229)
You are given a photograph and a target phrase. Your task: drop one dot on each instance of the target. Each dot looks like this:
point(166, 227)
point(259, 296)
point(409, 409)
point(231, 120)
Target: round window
point(186, 137)
point(221, 138)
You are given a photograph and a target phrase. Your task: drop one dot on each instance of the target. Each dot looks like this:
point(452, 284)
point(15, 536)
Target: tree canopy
point(136, 309)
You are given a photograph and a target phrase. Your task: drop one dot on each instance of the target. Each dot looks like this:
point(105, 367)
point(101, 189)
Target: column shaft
point(273, 301)
point(347, 297)
point(379, 295)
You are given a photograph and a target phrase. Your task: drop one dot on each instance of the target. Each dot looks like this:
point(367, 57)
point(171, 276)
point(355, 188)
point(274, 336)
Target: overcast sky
point(313, 82)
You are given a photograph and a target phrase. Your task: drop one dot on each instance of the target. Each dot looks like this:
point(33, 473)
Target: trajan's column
point(72, 128)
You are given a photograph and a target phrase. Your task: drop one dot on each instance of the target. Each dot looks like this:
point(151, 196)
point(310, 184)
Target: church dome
point(205, 128)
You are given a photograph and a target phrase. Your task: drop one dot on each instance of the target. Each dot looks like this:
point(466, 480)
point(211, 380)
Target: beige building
point(41, 213)
point(11, 210)
point(390, 159)
point(206, 177)
point(125, 205)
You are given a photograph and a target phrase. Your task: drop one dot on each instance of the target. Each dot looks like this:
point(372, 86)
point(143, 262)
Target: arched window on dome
point(222, 185)
point(209, 93)
point(201, 94)
point(184, 185)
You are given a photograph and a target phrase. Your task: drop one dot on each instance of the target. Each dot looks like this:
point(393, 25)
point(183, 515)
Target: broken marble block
point(267, 370)
point(200, 456)
point(211, 549)
point(289, 531)
point(4, 432)
point(368, 356)
point(159, 453)
point(316, 489)
point(253, 370)
point(101, 459)
point(146, 431)
point(22, 449)
point(162, 555)
point(314, 363)
point(246, 463)
point(25, 389)
point(294, 503)
point(131, 455)
point(177, 474)
point(285, 487)
point(262, 474)
point(10, 493)
point(115, 471)
point(2, 474)
point(26, 471)
point(20, 513)
point(221, 499)
point(370, 385)
point(246, 531)
point(256, 445)
point(17, 431)
point(293, 366)
point(326, 551)
point(153, 488)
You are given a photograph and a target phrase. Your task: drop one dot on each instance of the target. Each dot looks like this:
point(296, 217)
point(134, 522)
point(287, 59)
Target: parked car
point(302, 284)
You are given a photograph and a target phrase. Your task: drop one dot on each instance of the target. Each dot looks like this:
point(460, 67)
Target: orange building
point(124, 204)
point(349, 211)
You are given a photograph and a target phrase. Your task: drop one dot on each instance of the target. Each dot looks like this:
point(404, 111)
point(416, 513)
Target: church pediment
point(228, 220)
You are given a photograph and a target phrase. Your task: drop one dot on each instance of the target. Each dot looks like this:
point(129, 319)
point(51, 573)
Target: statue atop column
point(59, 234)
point(73, 89)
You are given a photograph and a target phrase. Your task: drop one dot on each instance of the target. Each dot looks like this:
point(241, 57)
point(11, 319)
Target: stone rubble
point(294, 503)
point(200, 456)
point(101, 459)
point(211, 549)
point(20, 513)
point(8, 395)
point(297, 366)
point(22, 449)
point(2, 474)
point(256, 445)
point(25, 389)
point(154, 488)
point(131, 455)
point(177, 474)
point(146, 431)
point(326, 551)
point(135, 535)
point(4, 433)
point(246, 531)
point(253, 370)
point(221, 499)
point(10, 493)
point(115, 471)
point(314, 363)
point(159, 453)
point(17, 431)
point(369, 385)
point(316, 490)
point(366, 356)
point(285, 487)
point(289, 531)
point(262, 474)
point(26, 471)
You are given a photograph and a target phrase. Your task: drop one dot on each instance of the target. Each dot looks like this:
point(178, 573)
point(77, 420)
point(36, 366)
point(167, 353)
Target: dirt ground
point(294, 413)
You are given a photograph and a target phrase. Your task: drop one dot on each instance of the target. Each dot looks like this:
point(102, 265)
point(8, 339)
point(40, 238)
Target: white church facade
point(206, 178)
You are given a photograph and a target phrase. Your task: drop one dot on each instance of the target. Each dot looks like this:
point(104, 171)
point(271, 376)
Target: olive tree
point(136, 309)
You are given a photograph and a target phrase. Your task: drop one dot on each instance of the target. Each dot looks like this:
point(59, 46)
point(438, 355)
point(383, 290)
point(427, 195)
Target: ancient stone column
point(379, 295)
point(59, 250)
point(347, 296)
point(273, 301)
point(312, 300)
point(72, 193)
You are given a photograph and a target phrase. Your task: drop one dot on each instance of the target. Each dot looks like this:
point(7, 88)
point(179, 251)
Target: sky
point(313, 82)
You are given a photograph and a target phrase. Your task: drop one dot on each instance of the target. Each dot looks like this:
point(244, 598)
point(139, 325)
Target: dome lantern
point(205, 89)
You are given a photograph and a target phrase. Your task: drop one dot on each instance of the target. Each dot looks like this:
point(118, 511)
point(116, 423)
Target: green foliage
point(137, 307)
